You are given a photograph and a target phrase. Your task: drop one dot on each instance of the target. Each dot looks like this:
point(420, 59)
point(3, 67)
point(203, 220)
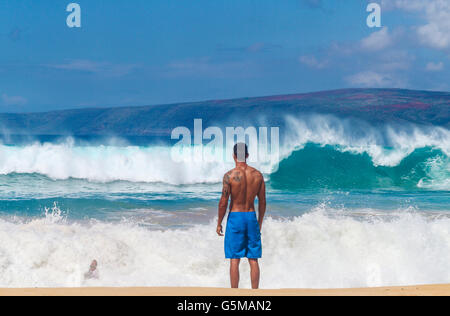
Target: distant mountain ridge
point(373, 105)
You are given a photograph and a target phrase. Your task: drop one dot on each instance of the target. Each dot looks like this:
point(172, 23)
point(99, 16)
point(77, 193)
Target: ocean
point(350, 204)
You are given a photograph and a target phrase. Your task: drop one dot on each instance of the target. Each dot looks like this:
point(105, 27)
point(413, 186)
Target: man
point(93, 272)
point(243, 234)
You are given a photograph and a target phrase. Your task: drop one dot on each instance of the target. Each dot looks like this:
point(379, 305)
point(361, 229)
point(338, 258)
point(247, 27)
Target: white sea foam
point(438, 174)
point(317, 250)
point(107, 163)
point(386, 145)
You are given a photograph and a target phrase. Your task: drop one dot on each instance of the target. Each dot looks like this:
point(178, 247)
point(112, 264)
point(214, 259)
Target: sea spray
point(322, 249)
point(54, 214)
point(312, 166)
point(385, 148)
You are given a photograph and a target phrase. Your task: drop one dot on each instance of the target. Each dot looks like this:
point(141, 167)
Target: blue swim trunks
point(242, 236)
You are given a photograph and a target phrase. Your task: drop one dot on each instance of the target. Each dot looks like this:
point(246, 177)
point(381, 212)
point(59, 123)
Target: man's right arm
point(261, 203)
point(223, 204)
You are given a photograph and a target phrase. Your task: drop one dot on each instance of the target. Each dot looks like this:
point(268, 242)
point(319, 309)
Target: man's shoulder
point(255, 172)
point(252, 169)
point(228, 175)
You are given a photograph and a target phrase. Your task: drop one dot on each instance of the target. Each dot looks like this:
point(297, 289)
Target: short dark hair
point(239, 149)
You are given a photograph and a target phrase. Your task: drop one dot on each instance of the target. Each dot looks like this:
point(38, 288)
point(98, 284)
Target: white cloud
point(377, 40)
point(100, 68)
point(394, 60)
point(13, 100)
point(313, 62)
point(431, 66)
point(436, 32)
point(80, 65)
point(372, 79)
point(410, 5)
point(261, 47)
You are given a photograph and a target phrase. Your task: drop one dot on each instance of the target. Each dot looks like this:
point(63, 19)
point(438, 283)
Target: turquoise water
point(344, 210)
point(310, 177)
point(29, 195)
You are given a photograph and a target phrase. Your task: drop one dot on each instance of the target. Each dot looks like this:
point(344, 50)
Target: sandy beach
point(420, 290)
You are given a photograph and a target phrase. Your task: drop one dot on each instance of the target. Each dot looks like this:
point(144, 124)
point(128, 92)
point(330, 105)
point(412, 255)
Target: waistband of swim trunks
point(243, 212)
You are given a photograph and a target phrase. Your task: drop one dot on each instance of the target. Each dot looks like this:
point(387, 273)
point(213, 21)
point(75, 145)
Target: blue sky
point(145, 52)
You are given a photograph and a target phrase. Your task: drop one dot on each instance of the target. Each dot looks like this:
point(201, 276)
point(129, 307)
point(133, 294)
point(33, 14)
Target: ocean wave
point(330, 167)
point(351, 150)
point(322, 249)
point(387, 145)
point(103, 163)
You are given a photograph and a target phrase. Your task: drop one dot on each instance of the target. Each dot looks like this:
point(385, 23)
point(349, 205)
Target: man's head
point(240, 152)
point(93, 266)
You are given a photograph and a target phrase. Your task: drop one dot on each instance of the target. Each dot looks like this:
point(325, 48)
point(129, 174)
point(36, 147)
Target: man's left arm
point(223, 204)
point(261, 203)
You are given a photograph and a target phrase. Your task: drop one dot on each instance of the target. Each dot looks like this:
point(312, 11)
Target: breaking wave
point(315, 151)
point(325, 248)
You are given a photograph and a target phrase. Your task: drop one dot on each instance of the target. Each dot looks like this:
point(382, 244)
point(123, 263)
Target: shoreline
point(418, 290)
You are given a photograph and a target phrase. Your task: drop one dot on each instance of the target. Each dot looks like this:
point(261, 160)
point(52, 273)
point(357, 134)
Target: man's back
point(245, 185)
point(243, 235)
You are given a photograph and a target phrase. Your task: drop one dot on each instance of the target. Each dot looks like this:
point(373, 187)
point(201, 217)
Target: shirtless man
point(243, 233)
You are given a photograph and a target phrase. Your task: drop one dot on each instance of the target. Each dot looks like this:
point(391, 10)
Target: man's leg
point(234, 273)
point(254, 273)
